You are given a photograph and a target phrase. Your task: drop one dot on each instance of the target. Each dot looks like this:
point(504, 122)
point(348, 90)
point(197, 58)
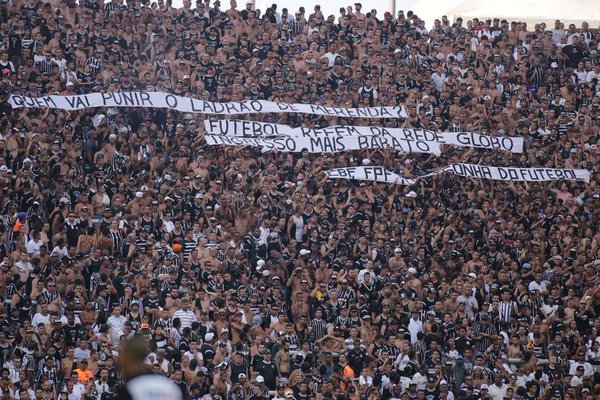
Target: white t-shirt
point(116, 324)
point(414, 327)
point(152, 387)
point(591, 75)
point(331, 57)
point(438, 80)
point(497, 392)
point(533, 285)
point(33, 247)
point(61, 252)
point(557, 34)
point(39, 318)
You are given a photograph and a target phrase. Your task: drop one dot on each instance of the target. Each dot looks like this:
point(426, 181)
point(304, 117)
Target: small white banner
point(377, 174)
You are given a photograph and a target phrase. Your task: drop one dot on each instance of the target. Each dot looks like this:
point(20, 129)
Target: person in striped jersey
point(45, 65)
point(484, 332)
point(507, 306)
point(185, 314)
point(318, 325)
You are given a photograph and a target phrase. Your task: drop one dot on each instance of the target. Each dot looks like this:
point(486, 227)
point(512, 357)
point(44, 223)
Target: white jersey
point(150, 387)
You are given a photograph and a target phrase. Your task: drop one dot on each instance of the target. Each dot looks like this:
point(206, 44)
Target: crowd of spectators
point(255, 277)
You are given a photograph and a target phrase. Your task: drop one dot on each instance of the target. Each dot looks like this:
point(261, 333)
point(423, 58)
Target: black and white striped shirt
point(293, 341)
point(95, 281)
point(48, 297)
point(6, 222)
point(296, 27)
point(141, 245)
point(345, 297)
point(485, 341)
point(51, 373)
point(164, 270)
point(108, 7)
point(506, 309)
point(117, 238)
point(188, 246)
point(319, 326)
point(45, 66)
point(95, 64)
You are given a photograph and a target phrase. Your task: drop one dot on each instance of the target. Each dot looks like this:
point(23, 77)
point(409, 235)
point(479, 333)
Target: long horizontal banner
point(463, 139)
point(191, 105)
point(517, 174)
point(380, 174)
point(377, 174)
point(242, 128)
point(327, 144)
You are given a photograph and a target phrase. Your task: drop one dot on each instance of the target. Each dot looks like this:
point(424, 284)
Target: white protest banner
point(463, 139)
point(191, 105)
point(370, 173)
point(258, 129)
point(326, 144)
point(517, 174)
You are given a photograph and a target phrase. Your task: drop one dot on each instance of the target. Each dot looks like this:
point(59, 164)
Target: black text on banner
point(369, 173)
point(461, 139)
point(191, 105)
point(327, 144)
point(517, 174)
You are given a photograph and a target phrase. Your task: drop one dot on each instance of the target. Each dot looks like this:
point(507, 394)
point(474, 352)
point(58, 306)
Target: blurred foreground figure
point(140, 383)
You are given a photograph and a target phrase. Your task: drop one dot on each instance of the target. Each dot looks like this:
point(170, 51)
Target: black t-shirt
point(109, 396)
point(269, 372)
point(432, 394)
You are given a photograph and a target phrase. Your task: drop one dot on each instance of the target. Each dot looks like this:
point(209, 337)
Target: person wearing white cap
point(396, 261)
point(446, 390)
point(289, 395)
point(225, 339)
point(249, 8)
